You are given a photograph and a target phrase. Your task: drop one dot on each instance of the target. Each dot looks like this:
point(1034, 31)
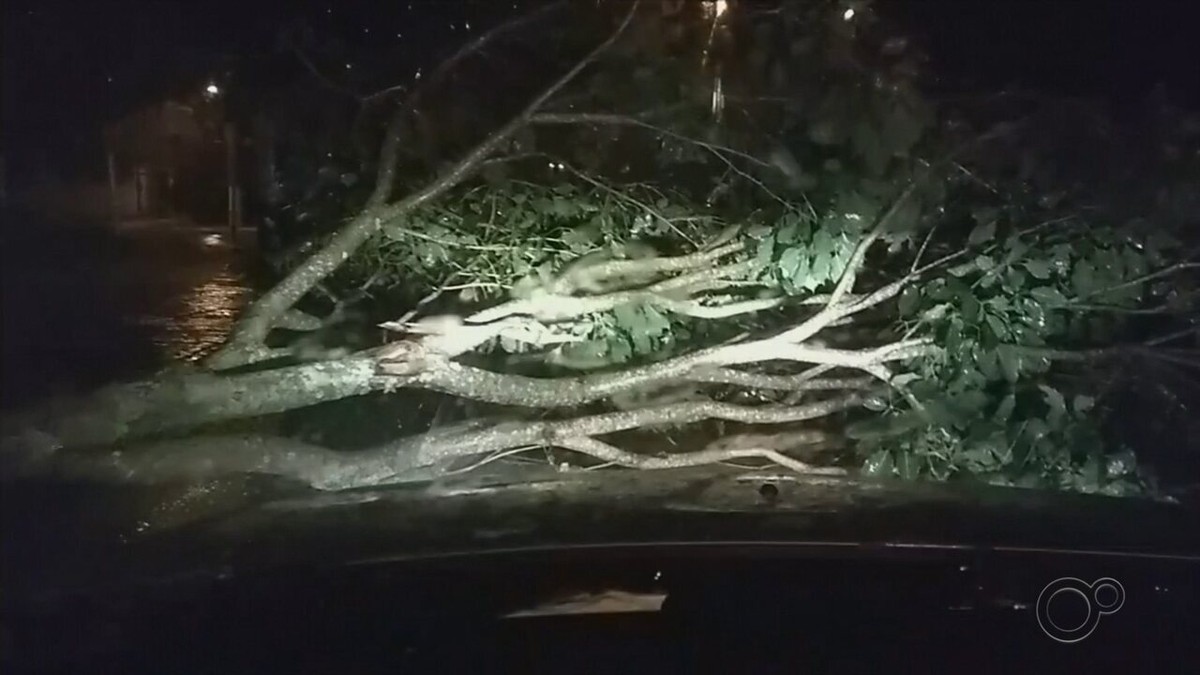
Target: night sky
point(69, 64)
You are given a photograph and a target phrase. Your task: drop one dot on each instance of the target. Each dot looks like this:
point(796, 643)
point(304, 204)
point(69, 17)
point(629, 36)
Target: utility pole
point(110, 154)
point(233, 190)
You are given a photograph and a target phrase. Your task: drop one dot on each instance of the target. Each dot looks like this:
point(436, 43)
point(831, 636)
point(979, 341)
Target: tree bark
point(174, 402)
point(423, 456)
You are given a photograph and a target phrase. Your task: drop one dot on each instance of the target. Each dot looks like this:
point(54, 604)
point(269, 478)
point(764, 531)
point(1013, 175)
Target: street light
point(212, 89)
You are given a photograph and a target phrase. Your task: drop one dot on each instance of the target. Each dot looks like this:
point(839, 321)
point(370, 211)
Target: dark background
point(71, 64)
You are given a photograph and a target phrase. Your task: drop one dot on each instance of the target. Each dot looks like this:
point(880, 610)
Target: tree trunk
point(177, 401)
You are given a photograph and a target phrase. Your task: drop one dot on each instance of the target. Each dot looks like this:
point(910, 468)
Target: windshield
point(253, 248)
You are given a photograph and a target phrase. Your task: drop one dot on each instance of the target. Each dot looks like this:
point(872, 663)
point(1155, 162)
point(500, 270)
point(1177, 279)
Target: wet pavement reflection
point(88, 305)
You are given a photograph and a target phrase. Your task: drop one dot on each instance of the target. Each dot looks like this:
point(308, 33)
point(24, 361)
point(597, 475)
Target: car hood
point(499, 510)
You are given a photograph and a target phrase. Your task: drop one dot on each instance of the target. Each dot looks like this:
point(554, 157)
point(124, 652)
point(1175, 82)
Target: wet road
point(83, 306)
point(87, 305)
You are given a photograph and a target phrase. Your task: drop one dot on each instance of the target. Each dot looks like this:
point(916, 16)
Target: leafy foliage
point(494, 239)
point(1018, 275)
point(1027, 295)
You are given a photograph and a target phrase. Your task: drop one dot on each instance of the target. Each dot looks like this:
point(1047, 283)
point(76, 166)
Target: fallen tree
point(919, 282)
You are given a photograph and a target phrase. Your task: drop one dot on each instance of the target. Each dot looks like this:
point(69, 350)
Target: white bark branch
point(245, 344)
point(454, 378)
point(610, 453)
point(557, 303)
point(419, 457)
point(473, 440)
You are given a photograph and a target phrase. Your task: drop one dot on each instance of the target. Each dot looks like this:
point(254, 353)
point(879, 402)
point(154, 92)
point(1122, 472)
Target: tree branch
point(246, 343)
point(321, 77)
point(457, 379)
point(504, 435)
point(610, 453)
point(625, 120)
point(390, 147)
point(834, 308)
point(471, 48)
point(719, 151)
point(424, 456)
point(174, 402)
point(558, 304)
point(799, 382)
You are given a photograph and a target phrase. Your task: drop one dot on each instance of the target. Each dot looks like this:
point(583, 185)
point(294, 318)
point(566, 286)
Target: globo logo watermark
point(1060, 603)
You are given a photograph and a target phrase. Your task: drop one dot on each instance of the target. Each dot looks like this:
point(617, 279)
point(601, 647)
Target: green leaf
point(1119, 464)
point(970, 402)
point(970, 307)
point(985, 214)
point(943, 412)
point(875, 403)
point(938, 290)
point(907, 467)
point(620, 351)
point(1048, 296)
point(788, 233)
point(766, 251)
point(819, 273)
point(842, 251)
point(586, 355)
point(1010, 362)
point(987, 362)
point(960, 271)
point(1091, 473)
point(1058, 405)
point(1110, 266)
point(630, 317)
point(790, 263)
point(954, 339)
point(879, 464)
point(439, 232)
point(582, 238)
point(1038, 269)
point(801, 274)
point(642, 344)
point(823, 253)
point(909, 300)
point(880, 426)
point(1135, 262)
point(1034, 314)
point(1015, 249)
point(979, 457)
point(997, 325)
point(1081, 404)
point(1083, 279)
point(1014, 279)
point(982, 233)
point(856, 208)
point(823, 243)
point(656, 322)
point(1005, 410)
